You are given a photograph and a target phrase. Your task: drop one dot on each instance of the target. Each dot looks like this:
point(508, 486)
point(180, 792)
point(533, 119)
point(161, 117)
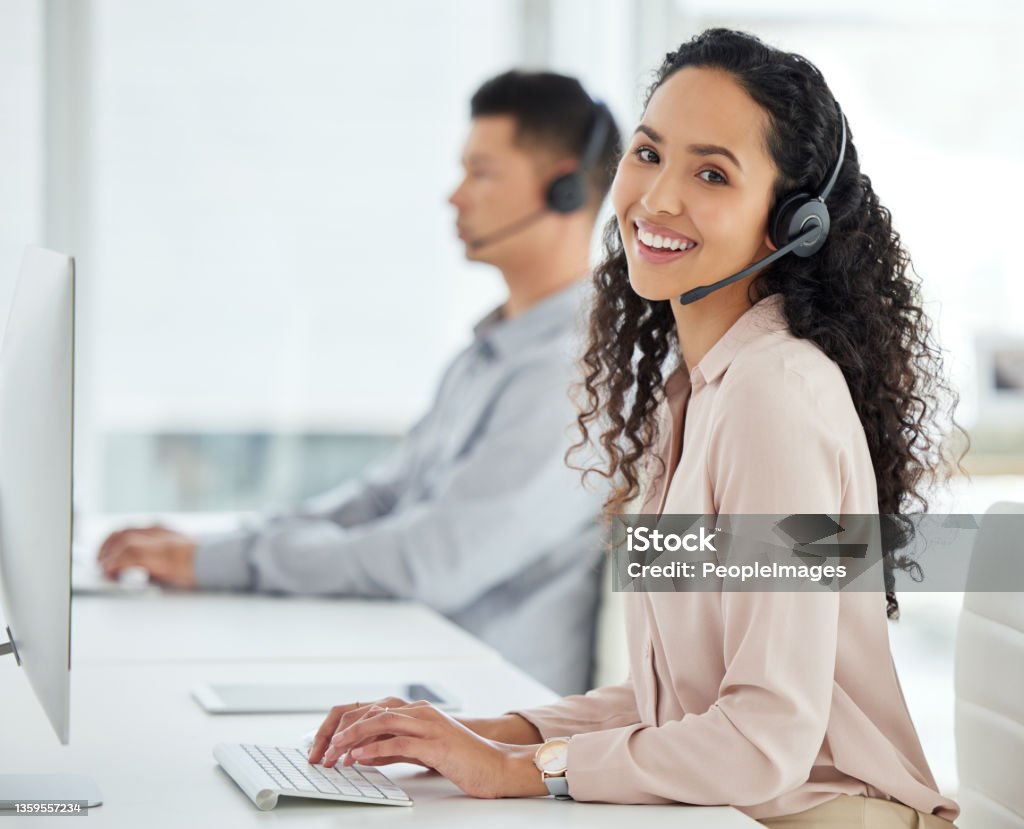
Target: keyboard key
point(374, 776)
point(343, 785)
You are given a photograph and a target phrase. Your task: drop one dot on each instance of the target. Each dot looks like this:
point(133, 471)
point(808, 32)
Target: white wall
point(272, 245)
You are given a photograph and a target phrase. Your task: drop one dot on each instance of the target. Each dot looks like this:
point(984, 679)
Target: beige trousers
point(849, 812)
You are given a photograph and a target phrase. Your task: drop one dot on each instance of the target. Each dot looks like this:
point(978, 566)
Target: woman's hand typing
point(396, 731)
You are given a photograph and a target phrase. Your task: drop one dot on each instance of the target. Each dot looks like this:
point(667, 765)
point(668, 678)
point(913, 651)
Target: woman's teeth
point(652, 240)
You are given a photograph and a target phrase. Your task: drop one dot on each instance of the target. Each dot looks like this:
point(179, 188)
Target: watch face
point(553, 756)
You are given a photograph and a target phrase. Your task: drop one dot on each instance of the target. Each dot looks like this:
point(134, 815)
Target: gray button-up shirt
point(475, 513)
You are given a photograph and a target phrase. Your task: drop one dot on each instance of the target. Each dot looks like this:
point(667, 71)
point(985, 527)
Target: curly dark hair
point(858, 299)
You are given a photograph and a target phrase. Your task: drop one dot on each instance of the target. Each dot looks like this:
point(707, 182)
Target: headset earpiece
point(797, 215)
point(568, 192)
point(801, 212)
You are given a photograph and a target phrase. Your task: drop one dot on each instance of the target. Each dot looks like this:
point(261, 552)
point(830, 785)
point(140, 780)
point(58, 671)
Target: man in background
point(475, 513)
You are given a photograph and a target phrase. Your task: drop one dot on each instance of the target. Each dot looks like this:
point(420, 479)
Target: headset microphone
point(508, 230)
point(704, 290)
point(799, 224)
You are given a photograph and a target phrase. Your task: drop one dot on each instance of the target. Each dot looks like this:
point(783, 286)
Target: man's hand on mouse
point(168, 556)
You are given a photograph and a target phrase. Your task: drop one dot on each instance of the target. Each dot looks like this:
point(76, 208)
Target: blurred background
point(269, 279)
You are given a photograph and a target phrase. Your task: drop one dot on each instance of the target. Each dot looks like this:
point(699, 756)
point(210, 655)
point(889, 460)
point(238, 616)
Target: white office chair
point(989, 671)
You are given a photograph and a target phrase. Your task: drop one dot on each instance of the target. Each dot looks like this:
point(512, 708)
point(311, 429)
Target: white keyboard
point(267, 772)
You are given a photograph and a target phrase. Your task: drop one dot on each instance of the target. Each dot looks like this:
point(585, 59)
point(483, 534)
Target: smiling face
point(693, 189)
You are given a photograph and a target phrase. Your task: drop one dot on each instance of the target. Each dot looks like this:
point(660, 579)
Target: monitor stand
point(47, 788)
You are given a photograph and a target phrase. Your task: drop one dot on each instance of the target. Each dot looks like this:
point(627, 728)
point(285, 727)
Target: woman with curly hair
point(809, 385)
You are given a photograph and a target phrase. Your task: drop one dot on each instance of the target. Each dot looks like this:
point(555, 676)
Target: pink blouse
point(770, 702)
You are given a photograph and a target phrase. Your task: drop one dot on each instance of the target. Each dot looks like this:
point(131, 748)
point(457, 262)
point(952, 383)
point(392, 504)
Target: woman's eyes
point(647, 154)
point(710, 175)
point(718, 177)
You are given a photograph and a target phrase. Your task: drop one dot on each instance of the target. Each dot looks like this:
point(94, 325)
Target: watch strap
point(558, 786)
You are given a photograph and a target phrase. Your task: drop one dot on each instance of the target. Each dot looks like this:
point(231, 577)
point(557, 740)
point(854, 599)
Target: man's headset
point(799, 224)
point(567, 193)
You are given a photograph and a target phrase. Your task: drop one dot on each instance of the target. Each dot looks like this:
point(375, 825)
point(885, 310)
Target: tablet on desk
point(301, 698)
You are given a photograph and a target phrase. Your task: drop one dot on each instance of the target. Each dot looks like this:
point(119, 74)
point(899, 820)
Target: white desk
point(195, 627)
point(148, 745)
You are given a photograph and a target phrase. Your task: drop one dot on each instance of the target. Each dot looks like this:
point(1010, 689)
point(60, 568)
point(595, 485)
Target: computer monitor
point(36, 449)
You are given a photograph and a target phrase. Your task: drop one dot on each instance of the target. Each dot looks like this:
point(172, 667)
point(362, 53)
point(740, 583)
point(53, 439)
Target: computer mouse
point(133, 578)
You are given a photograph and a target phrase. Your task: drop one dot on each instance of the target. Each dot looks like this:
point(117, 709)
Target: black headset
point(568, 192)
point(798, 224)
point(801, 212)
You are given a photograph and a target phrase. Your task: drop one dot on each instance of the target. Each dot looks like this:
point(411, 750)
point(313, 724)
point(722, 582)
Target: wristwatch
point(551, 759)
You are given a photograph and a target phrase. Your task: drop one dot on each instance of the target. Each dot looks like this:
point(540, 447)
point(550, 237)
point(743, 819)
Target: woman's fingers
point(379, 761)
point(354, 715)
point(391, 750)
point(387, 761)
point(422, 734)
point(327, 729)
point(341, 717)
point(408, 722)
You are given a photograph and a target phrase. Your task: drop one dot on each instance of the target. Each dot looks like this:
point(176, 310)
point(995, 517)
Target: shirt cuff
point(598, 768)
point(222, 561)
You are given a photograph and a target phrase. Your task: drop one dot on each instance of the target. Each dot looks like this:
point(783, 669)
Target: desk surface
point(195, 627)
point(136, 730)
